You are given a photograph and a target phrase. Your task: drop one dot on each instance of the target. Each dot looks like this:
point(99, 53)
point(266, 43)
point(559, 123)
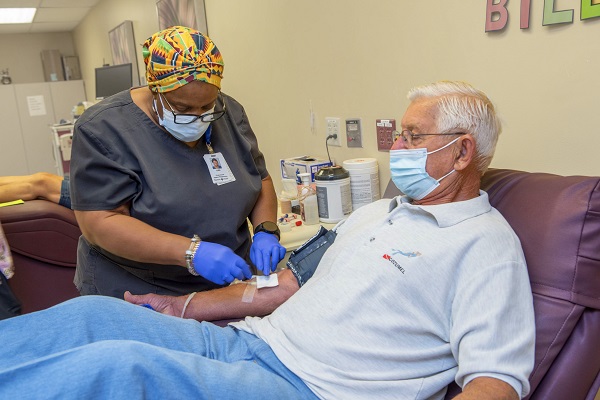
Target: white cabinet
point(27, 112)
point(12, 148)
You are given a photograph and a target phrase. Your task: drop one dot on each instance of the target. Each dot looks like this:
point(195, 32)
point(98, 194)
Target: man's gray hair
point(463, 108)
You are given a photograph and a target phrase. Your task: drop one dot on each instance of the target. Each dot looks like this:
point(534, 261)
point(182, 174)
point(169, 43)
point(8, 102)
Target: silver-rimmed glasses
point(408, 137)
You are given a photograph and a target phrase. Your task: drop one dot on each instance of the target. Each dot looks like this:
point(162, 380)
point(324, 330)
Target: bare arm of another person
point(41, 185)
point(118, 232)
point(223, 303)
point(486, 388)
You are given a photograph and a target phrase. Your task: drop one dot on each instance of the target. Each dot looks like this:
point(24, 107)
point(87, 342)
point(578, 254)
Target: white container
point(308, 200)
point(310, 210)
point(364, 181)
point(333, 194)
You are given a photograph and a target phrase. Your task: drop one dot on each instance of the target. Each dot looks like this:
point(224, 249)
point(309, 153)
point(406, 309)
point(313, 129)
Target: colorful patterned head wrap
point(177, 56)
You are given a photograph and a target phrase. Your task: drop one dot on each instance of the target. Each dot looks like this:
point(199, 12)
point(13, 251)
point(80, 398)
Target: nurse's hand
point(266, 252)
point(219, 264)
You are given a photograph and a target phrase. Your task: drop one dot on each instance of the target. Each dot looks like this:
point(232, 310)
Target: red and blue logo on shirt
point(396, 263)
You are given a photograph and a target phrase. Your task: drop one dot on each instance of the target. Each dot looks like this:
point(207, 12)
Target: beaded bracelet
point(190, 253)
point(187, 302)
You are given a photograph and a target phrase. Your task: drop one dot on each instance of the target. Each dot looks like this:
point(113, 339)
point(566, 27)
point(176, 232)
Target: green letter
point(589, 10)
point(552, 17)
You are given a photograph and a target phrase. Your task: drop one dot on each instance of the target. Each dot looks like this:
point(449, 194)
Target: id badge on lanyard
point(216, 163)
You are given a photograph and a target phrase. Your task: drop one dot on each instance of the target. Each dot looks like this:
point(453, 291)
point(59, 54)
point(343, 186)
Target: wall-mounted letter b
point(496, 8)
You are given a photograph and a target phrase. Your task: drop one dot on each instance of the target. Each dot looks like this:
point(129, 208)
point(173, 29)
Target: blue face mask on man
point(184, 132)
point(407, 167)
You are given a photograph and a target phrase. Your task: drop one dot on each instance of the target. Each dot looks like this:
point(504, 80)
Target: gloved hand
point(266, 252)
point(220, 264)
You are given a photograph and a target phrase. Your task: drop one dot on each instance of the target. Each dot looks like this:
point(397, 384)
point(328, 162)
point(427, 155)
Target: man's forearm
point(226, 303)
point(485, 388)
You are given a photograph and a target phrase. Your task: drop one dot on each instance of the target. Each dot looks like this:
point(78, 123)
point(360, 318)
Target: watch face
point(270, 226)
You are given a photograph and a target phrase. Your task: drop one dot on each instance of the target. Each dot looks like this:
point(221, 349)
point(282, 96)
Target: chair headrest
point(557, 219)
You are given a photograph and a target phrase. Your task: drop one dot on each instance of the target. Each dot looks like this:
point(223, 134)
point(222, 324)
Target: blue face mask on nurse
point(185, 127)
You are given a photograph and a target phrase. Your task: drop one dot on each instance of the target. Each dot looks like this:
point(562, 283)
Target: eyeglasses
point(408, 137)
point(189, 118)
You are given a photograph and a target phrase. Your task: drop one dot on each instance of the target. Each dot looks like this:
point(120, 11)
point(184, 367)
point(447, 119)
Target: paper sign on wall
point(36, 105)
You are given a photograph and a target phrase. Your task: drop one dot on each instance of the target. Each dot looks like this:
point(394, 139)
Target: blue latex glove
point(219, 264)
point(266, 252)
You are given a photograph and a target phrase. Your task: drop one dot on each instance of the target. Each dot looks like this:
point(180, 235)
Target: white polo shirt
point(407, 299)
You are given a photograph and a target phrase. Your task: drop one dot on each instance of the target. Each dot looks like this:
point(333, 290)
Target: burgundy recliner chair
point(558, 222)
point(42, 237)
point(557, 219)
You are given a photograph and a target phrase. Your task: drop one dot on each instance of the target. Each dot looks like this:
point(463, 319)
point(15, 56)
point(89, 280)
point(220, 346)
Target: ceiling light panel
point(16, 15)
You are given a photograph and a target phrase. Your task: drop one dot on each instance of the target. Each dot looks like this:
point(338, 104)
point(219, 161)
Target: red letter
point(525, 8)
point(499, 8)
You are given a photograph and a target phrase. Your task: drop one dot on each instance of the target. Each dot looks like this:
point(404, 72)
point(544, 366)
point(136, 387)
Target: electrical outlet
point(385, 133)
point(333, 128)
point(354, 132)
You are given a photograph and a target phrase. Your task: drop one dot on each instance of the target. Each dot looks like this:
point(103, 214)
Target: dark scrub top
point(121, 156)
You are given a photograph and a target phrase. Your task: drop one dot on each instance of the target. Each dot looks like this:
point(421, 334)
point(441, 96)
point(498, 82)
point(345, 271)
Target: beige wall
point(21, 54)
point(91, 36)
point(357, 59)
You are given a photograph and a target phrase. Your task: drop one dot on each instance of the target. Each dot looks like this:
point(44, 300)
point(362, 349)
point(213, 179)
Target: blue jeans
point(65, 194)
point(102, 347)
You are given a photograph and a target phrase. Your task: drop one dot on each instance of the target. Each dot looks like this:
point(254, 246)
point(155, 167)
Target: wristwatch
point(269, 227)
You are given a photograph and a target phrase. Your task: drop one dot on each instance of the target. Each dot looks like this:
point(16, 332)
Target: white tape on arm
point(249, 291)
point(255, 283)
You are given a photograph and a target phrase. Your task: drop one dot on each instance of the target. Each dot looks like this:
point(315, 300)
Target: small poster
point(36, 105)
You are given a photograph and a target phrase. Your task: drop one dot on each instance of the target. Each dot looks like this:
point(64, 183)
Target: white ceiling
point(51, 16)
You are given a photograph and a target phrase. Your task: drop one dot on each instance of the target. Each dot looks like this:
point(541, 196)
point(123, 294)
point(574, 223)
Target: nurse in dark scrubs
point(156, 216)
